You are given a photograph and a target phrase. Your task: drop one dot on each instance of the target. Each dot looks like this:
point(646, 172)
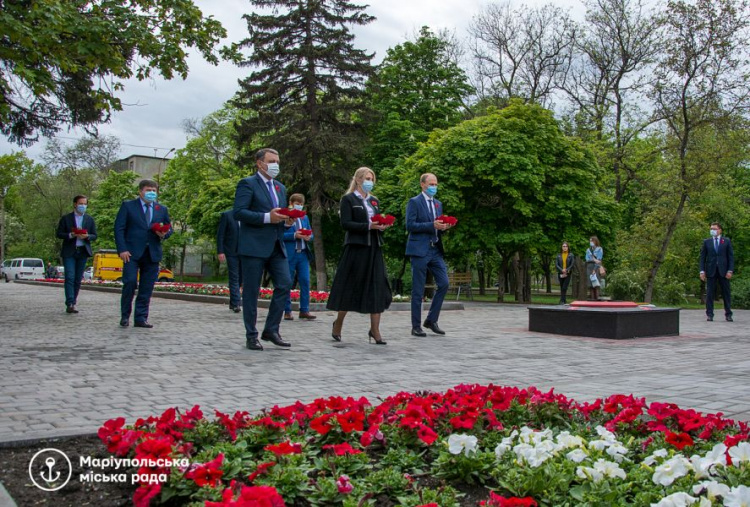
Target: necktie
point(274, 200)
point(434, 216)
point(299, 241)
point(716, 245)
point(148, 214)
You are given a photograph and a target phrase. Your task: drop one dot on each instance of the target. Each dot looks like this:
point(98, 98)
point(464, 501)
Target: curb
point(5, 499)
point(224, 300)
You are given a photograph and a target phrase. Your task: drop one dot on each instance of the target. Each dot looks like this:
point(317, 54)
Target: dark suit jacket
point(569, 264)
point(420, 225)
point(133, 234)
point(251, 202)
point(65, 227)
point(710, 259)
point(228, 234)
point(291, 243)
point(356, 222)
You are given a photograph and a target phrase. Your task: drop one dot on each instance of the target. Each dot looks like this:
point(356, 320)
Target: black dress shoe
point(729, 318)
point(336, 337)
point(417, 331)
point(143, 324)
point(71, 309)
point(253, 344)
point(235, 309)
point(432, 326)
point(274, 338)
point(709, 319)
point(124, 323)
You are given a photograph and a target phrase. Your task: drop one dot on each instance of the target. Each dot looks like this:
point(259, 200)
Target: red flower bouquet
point(292, 213)
point(304, 232)
point(447, 219)
point(161, 227)
point(78, 231)
point(383, 220)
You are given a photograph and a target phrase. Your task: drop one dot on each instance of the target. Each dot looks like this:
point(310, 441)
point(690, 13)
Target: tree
point(521, 53)
point(105, 204)
point(62, 59)
point(700, 83)
point(516, 184)
point(307, 98)
point(12, 167)
point(90, 152)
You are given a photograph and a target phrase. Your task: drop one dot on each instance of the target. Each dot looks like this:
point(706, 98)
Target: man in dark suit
point(139, 247)
point(425, 248)
point(717, 265)
point(226, 246)
point(300, 256)
point(257, 202)
point(77, 230)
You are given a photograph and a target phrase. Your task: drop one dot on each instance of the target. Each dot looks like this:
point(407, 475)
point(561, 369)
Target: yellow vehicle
point(108, 266)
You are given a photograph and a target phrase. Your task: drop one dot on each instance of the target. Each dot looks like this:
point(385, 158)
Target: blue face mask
point(368, 185)
point(431, 190)
point(714, 233)
point(81, 209)
point(149, 196)
point(591, 244)
point(298, 207)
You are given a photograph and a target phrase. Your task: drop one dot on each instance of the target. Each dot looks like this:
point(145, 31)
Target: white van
point(24, 268)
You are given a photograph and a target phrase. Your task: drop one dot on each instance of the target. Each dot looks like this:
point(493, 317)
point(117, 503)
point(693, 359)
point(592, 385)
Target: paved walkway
point(66, 374)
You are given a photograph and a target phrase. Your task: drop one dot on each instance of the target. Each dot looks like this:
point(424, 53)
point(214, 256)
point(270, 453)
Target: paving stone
point(67, 374)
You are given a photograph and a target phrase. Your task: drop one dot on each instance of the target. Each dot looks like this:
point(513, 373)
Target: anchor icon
point(50, 462)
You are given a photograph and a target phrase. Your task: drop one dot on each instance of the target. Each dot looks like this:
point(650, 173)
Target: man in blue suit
point(300, 256)
point(76, 248)
point(425, 248)
point(717, 265)
point(227, 238)
point(139, 247)
point(257, 202)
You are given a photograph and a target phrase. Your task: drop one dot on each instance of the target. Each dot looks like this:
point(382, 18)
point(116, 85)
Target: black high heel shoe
point(336, 337)
point(371, 337)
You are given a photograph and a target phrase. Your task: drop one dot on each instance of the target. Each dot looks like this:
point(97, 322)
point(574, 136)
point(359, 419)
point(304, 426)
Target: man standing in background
point(717, 265)
point(227, 238)
point(77, 230)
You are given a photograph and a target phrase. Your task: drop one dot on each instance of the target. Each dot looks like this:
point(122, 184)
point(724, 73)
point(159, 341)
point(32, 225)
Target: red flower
point(156, 207)
point(433, 504)
point(277, 187)
point(283, 448)
point(143, 495)
point(262, 469)
point(292, 213)
point(344, 485)
point(426, 434)
point(370, 435)
point(250, 496)
point(500, 501)
point(464, 421)
point(160, 227)
point(342, 449)
point(374, 203)
point(354, 420)
point(679, 440)
point(321, 424)
point(154, 448)
point(207, 474)
point(447, 219)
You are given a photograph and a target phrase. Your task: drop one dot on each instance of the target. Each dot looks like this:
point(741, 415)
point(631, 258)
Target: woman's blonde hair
point(359, 176)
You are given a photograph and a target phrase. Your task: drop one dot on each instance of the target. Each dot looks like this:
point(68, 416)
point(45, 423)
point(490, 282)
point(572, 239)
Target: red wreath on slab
point(161, 227)
point(383, 220)
point(78, 231)
point(447, 219)
point(292, 213)
point(304, 232)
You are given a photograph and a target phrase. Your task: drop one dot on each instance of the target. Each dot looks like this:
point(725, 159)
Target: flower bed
point(197, 288)
point(500, 445)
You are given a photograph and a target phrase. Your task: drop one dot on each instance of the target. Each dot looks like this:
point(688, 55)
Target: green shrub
point(741, 293)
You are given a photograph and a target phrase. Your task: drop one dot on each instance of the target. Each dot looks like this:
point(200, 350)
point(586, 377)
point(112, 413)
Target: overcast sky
point(150, 123)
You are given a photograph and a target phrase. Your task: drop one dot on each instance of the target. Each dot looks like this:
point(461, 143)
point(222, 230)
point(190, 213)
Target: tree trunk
point(2, 228)
point(517, 274)
point(320, 253)
point(546, 262)
point(527, 280)
point(671, 227)
point(580, 282)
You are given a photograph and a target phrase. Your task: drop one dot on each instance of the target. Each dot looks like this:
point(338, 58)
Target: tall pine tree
point(306, 98)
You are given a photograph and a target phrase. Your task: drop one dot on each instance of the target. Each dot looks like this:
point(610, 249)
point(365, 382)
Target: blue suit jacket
point(291, 243)
point(133, 234)
point(228, 235)
point(419, 224)
point(65, 227)
point(710, 259)
point(251, 202)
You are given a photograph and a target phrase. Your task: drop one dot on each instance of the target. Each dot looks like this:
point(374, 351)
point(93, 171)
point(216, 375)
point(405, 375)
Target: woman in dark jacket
point(564, 265)
point(360, 284)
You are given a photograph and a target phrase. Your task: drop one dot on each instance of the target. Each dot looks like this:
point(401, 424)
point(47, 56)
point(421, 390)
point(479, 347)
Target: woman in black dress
point(360, 284)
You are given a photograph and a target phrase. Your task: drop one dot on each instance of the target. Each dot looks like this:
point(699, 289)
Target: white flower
point(502, 447)
point(462, 442)
point(609, 469)
point(617, 451)
point(718, 454)
point(666, 473)
point(567, 441)
point(676, 500)
point(536, 456)
point(712, 489)
point(661, 453)
point(589, 473)
point(600, 445)
point(740, 453)
point(703, 467)
point(576, 455)
point(738, 497)
point(605, 433)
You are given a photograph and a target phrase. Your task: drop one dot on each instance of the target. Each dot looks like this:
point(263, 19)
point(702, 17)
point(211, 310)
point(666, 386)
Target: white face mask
point(298, 207)
point(714, 233)
point(591, 244)
point(272, 169)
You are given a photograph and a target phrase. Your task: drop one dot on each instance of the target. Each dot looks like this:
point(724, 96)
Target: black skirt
point(360, 284)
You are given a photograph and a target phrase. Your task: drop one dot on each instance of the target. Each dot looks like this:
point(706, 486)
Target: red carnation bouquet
point(292, 213)
point(383, 219)
point(79, 232)
point(161, 227)
point(447, 219)
point(304, 232)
